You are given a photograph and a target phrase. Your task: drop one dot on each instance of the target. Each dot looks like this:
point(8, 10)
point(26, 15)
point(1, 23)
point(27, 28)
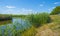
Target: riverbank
point(5, 22)
point(50, 29)
point(6, 15)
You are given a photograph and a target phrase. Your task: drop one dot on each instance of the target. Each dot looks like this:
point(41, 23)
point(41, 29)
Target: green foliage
point(19, 16)
point(56, 10)
point(17, 29)
point(30, 32)
point(38, 19)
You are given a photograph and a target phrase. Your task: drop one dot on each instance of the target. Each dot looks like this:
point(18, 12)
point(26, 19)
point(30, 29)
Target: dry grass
point(29, 32)
point(51, 29)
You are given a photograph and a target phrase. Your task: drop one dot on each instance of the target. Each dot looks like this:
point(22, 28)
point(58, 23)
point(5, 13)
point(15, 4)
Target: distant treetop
point(55, 11)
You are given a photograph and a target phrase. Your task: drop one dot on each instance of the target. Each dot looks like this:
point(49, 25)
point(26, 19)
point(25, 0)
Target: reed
point(38, 19)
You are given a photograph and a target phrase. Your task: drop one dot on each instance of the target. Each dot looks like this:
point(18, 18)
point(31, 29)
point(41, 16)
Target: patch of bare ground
point(50, 29)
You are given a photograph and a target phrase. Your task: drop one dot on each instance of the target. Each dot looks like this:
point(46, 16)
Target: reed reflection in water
point(15, 28)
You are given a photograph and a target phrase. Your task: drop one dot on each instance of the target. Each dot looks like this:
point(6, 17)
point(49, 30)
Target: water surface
point(18, 25)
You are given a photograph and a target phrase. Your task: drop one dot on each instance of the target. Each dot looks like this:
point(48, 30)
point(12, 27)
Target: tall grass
point(38, 19)
point(30, 32)
point(17, 29)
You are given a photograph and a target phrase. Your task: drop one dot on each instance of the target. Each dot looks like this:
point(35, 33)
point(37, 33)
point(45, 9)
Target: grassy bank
point(51, 29)
point(14, 16)
point(48, 25)
point(5, 22)
point(38, 19)
point(30, 32)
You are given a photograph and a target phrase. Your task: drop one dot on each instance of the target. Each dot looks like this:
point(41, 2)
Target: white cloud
point(23, 9)
point(18, 11)
point(10, 7)
point(41, 5)
point(49, 9)
point(26, 11)
point(57, 3)
point(53, 7)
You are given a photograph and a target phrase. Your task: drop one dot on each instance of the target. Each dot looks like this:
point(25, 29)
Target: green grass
point(5, 22)
point(14, 16)
point(38, 19)
point(53, 28)
point(47, 21)
point(30, 32)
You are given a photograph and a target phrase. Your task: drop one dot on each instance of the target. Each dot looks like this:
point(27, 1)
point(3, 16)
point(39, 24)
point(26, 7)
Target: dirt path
point(47, 31)
point(50, 29)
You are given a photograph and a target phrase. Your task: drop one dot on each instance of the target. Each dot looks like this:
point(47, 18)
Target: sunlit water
point(16, 27)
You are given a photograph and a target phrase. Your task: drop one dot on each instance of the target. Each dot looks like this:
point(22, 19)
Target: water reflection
point(17, 26)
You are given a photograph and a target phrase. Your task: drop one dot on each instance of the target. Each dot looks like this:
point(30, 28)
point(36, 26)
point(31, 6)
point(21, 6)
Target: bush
point(55, 11)
point(38, 19)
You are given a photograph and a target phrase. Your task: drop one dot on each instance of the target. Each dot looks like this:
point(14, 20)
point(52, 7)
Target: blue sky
point(27, 6)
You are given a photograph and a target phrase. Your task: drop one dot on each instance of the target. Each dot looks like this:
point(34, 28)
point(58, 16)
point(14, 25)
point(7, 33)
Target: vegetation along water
point(39, 24)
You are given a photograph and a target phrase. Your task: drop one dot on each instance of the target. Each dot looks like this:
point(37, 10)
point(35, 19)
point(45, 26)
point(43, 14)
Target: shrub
point(38, 19)
point(55, 11)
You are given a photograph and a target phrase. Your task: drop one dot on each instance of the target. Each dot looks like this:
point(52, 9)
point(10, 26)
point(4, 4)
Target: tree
point(55, 11)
